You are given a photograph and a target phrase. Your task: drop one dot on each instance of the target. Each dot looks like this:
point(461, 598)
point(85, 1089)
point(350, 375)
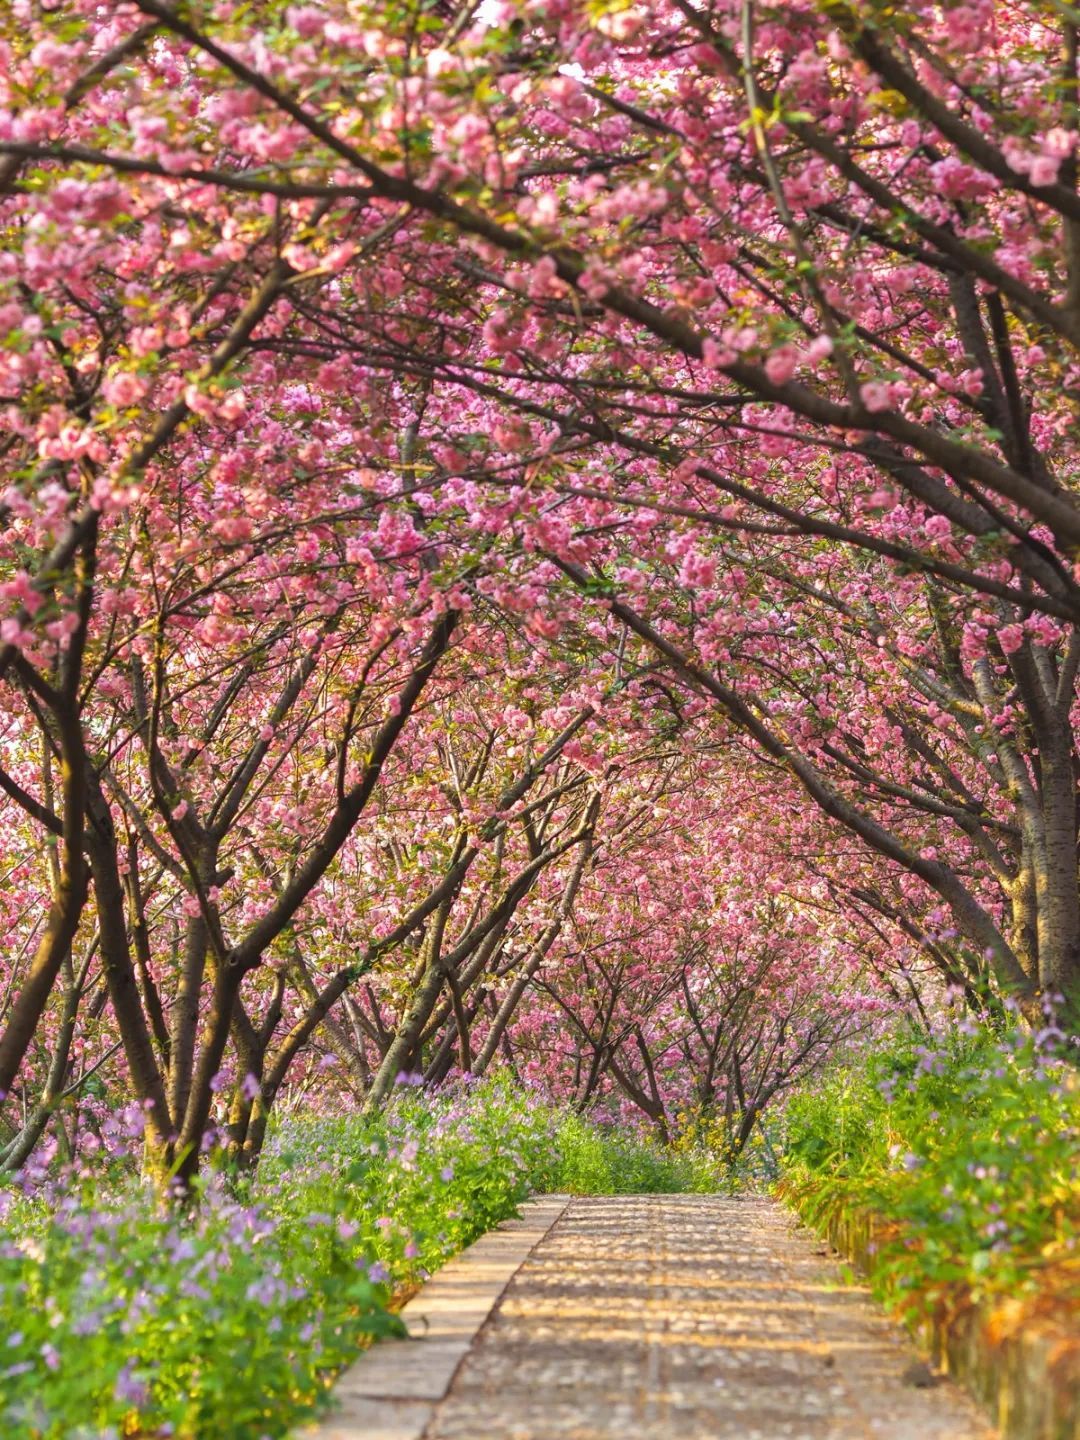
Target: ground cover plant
point(602, 1155)
point(232, 1313)
point(607, 1159)
point(120, 1317)
point(964, 1144)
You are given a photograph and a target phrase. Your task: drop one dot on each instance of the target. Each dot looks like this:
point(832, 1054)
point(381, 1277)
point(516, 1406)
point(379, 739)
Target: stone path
point(647, 1318)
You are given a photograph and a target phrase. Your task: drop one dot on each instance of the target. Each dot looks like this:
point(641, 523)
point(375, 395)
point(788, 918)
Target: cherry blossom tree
point(722, 354)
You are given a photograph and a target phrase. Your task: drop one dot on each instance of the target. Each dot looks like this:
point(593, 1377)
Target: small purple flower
point(128, 1389)
point(378, 1273)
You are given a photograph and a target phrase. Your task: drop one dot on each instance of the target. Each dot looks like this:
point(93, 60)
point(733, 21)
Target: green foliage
point(593, 1160)
point(969, 1143)
point(121, 1317)
point(443, 1168)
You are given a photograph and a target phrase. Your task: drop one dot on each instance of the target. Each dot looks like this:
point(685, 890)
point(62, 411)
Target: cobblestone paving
point(690, 1318)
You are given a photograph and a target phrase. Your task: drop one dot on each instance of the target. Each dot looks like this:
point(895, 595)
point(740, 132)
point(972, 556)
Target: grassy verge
point(966, 1150)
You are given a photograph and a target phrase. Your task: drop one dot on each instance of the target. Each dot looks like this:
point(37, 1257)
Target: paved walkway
point(648, 1318)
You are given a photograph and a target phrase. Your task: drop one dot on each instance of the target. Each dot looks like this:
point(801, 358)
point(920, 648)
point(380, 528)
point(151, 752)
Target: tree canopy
point(533, 533)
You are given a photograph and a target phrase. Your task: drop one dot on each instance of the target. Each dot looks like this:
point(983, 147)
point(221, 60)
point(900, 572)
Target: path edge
point(391, 1391)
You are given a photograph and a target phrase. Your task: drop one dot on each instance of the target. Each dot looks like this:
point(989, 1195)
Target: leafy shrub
point(968, 1142)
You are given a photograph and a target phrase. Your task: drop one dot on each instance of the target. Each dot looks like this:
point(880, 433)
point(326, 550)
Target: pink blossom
point(62, 630)
point(713, 357)
point(1010, 638)
point(781, 364)
point(233, 407)
point(1044, 169)
point(820, 348)
point(197, 401)
point(875, 396)
point(124, 388)
point(22, 590)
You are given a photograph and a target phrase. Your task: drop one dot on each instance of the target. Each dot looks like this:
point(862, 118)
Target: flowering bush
point(968, 1142)
point(231, 1317)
